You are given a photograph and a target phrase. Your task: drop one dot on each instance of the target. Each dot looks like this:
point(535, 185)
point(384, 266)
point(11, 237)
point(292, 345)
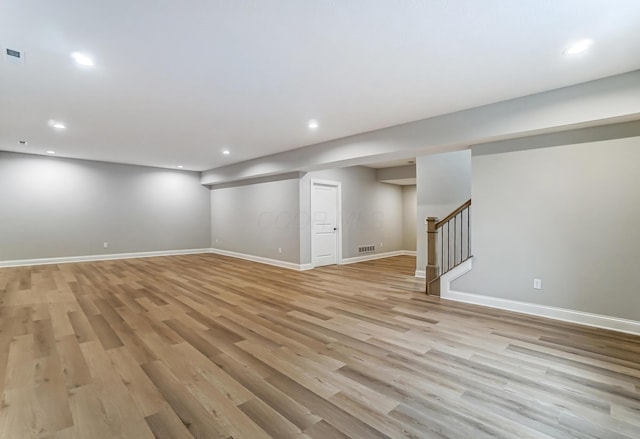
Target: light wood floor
point(213, 347)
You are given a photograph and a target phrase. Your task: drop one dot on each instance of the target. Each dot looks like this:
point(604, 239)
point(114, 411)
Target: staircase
point(448, 245)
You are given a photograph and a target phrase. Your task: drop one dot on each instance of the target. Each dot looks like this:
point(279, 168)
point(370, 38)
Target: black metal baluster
point(448, 245)
point(453, 258)
point(455, 232)
point(441, 250)
point(461, 235)
point(468, 234)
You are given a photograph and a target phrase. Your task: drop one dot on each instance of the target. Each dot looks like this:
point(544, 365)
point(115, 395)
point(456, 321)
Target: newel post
point(432, 268)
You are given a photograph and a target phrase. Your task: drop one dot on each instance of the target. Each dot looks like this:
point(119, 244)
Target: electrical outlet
point(279, 249)
point(217, 240)
point(381, 244)
point(106, 245)
point(537, 284)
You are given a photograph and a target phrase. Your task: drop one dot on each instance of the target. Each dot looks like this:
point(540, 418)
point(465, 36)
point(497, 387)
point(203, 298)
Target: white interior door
point(325, 222)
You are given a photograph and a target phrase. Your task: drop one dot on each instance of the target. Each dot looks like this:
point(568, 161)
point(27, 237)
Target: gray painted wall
point(53, 207)
point(258, 219)
point(371, 211)
point(388, 175)
point(409, 214)
point(443, 184)
point(567, 215)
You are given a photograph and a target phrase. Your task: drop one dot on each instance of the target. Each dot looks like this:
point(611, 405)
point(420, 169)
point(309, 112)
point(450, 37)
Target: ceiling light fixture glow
point(57, 125)
point(180, 166)
point(82, 59)
point(313, 124)
point(51, 152)
point(579, 47)
point(226, 152)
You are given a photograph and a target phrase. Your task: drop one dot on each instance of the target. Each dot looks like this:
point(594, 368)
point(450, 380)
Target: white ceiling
point(177, 82)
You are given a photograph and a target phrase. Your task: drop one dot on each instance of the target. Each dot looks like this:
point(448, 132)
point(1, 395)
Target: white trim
point(422, 274)
point(105, 257)
point(550, 312)
point(409, 252)
point(371, 257)
point(453, 274)
point(338, 186)
point(115, 256)
point(565, 315)
point(262, 260)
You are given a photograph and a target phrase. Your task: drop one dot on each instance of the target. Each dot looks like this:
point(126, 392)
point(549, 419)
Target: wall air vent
point(366, 249)
point(14, 55)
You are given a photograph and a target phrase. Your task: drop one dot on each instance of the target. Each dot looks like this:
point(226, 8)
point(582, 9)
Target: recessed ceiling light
point(51, 152)
point(57, 125)
point(226, 152)
point(82, 59)
point(22, 142)
point(180, 166)
point(313, 124)
point(578, 47)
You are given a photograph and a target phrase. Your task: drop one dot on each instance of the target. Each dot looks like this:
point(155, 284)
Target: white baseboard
point(305, 267)
point(261, 260)
point(372, 257)
point(105, 257)
point(551, 312)
point(114, 256)
point(421, 274)
point(566, 315)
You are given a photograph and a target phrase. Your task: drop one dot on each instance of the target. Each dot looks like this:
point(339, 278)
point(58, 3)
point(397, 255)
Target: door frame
point(338, 186)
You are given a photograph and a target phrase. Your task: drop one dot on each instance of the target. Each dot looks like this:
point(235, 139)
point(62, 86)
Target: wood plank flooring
point(207, 346)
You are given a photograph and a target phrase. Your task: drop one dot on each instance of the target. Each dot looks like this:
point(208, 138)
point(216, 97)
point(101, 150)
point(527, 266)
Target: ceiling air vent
point(13, 55)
